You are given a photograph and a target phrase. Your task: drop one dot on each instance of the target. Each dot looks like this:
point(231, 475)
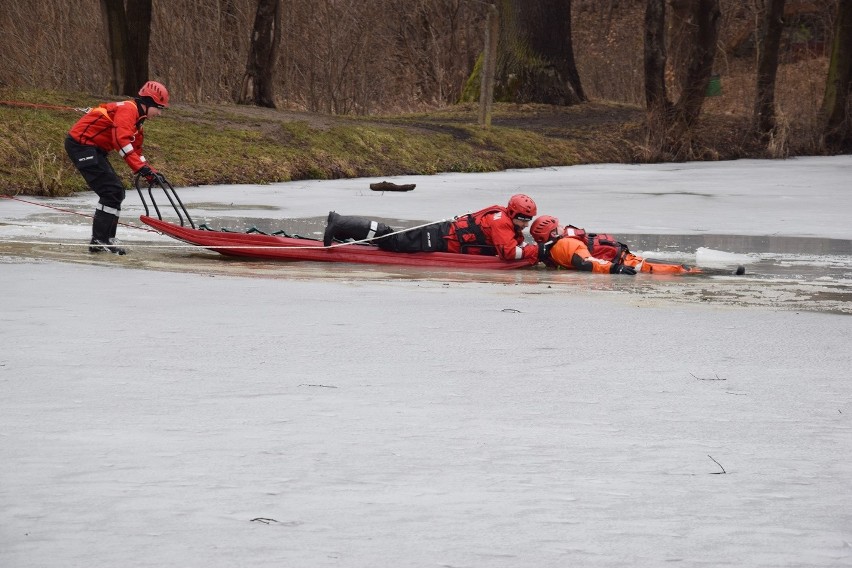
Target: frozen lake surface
point(784, 272)
point(177, 408)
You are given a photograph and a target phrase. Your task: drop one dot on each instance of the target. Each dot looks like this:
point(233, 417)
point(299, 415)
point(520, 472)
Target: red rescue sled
point(273, 247)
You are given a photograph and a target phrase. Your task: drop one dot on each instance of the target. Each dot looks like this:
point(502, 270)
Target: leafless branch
point(717, 463)
point(715, 378)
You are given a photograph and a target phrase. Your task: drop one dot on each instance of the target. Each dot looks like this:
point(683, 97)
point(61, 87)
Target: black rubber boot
point(328, 235)
point(342, 227)
point(113, 228)
point(115, 249)
point(104, 227)
point(98, 246)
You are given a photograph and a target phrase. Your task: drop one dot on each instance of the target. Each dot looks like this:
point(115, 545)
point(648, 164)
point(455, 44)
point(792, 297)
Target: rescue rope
point(72, 212)
point(45, 106)
point(82, 244)
point(368, 240)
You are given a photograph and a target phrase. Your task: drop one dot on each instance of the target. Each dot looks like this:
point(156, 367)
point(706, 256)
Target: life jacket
point(601, 245)
point(469, 234)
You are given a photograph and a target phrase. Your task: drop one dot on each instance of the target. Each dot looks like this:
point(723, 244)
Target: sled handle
point(171, 195)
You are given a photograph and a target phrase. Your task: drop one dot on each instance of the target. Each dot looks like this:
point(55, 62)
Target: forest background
point(389, 87)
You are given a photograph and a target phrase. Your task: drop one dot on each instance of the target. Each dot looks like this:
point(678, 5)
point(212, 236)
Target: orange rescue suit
point(573, 253)
point(568, 252)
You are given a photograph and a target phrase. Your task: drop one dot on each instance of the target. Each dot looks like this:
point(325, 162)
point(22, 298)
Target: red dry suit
point(490, 231)
point(114, 126)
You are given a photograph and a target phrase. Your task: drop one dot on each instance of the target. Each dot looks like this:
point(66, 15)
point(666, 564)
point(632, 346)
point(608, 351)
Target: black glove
point(151, 175)
point(544, 251)
point(622, 269)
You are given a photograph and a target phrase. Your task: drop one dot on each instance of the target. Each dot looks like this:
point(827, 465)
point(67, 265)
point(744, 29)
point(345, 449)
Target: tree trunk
point(707, 17)
point(536, 62)
point(838, 87)
point(669, 124)
point(656, 100)
point(566, 66)
point(681, 37)
point(116, 23)
point(259, 77)
point(768, 44)
point(139, 39)
point(486, 91)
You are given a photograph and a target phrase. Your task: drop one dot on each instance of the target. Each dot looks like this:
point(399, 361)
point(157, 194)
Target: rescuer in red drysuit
point(493, 231)
point(113, 126)
point(568, 247)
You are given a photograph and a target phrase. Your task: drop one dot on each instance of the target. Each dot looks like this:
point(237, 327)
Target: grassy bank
point(210, 144)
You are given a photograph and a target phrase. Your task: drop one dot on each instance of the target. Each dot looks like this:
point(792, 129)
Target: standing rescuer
point(113, 126)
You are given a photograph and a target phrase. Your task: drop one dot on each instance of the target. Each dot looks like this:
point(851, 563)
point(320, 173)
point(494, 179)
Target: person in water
point(573, 248)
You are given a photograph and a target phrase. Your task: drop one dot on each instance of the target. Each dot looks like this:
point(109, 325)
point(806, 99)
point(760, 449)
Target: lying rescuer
point(568, 247)
point(113, 126)
point(495, 230)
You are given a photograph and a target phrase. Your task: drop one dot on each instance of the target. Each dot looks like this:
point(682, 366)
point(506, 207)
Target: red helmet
point(522, 206)
point(156, 92)
point(542, 228)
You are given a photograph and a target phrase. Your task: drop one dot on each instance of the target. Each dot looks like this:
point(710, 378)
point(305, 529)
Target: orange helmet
point(521, 206)
point(156, 92)
point(542, 228)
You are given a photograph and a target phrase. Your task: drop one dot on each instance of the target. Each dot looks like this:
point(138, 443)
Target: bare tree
point(768, 44)
point(138, 41)
point(680, 26)
point(838, 88)
point(432, 46)
point(116, 27)
point(128, 37)
point(489, 62)
point(656, 99)
point(259, 78)
point(699, 67)
point(391, 56)
point(536, 55)
point(669, 125)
